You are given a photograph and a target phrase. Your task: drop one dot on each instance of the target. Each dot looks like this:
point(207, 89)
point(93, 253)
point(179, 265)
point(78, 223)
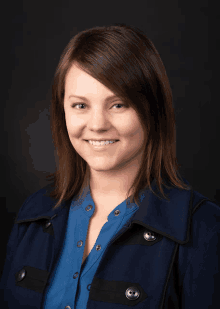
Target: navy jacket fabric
point(166, 256)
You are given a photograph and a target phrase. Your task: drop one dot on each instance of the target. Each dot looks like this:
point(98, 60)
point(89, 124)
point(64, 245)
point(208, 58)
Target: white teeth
point(101, 143)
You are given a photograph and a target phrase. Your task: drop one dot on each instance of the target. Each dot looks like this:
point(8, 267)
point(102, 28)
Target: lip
point(99, 140)
point(101, 147)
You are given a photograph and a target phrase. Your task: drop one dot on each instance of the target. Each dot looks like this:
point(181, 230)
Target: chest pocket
point(138, 235)
point(45, 224)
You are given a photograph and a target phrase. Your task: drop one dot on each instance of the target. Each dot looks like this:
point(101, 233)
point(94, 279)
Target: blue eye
point(75, 104)
point(120, 104)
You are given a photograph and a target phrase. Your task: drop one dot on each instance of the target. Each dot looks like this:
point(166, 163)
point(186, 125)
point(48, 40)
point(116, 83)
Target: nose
point(98, 120)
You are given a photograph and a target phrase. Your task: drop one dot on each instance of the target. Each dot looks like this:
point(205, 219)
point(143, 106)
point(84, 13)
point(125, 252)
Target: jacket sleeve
point(201, 281)
point(13, 241)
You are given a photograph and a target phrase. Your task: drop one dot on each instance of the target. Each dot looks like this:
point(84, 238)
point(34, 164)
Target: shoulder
point(36, 203)
point(203, 231)
point(205, 212)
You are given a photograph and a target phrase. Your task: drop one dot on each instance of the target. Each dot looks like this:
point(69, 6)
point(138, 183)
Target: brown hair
point(123, 59)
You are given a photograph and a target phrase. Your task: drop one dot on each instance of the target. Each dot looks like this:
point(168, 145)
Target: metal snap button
point(98, 247)
point(88, 208)
point(116, 212)
point(67, 307)
point(21, 274)
point(79, 243)
point(47, 224)
point(149, 236)
point(132, 293)
point(75, 275)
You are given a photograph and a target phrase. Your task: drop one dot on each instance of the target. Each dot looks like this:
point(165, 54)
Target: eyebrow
point(109, 98)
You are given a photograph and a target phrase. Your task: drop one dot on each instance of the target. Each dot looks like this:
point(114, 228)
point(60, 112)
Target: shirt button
point(116, 212)
point(98, 247)
point(67, 307)
point(132, 293)
point(88, 287)
point(149, 236)
point(88, 208)
point(79, 243)
point(75, 275)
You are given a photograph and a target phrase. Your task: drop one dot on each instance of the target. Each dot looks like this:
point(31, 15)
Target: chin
point(103, 167)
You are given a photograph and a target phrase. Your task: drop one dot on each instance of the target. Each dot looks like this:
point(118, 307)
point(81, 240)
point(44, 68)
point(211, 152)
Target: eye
point(75, 104)
point(120, 104)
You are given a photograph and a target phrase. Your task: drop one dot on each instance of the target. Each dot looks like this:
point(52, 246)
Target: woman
point(118, 226)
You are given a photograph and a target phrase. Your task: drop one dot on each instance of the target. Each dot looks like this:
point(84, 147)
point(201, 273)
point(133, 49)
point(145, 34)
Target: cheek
point(73, 124)
point(129, 125)
point(134, 133)
point(131, 129)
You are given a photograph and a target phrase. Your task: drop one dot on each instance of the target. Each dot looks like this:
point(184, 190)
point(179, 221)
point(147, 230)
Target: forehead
point(80, 83)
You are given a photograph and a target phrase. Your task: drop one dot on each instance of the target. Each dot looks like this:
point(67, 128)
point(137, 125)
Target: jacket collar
point(169, 218)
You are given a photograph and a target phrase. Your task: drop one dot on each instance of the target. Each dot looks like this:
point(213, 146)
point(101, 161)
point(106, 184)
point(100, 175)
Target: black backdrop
point(33, 35)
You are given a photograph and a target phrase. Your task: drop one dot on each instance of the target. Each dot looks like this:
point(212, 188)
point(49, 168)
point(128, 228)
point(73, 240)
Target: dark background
point(33, 35)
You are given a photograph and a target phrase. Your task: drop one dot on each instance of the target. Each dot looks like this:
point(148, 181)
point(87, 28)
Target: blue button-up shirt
point(71, 281)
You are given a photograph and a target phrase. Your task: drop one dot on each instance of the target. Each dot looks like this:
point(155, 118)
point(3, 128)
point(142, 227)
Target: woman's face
point(95, 117)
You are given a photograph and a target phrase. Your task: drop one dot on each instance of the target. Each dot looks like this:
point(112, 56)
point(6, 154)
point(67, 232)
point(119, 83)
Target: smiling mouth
point(101, 145)
point(100, 142)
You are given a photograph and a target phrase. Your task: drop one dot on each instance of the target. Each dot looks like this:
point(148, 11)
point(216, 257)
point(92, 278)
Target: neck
point(114, 183)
